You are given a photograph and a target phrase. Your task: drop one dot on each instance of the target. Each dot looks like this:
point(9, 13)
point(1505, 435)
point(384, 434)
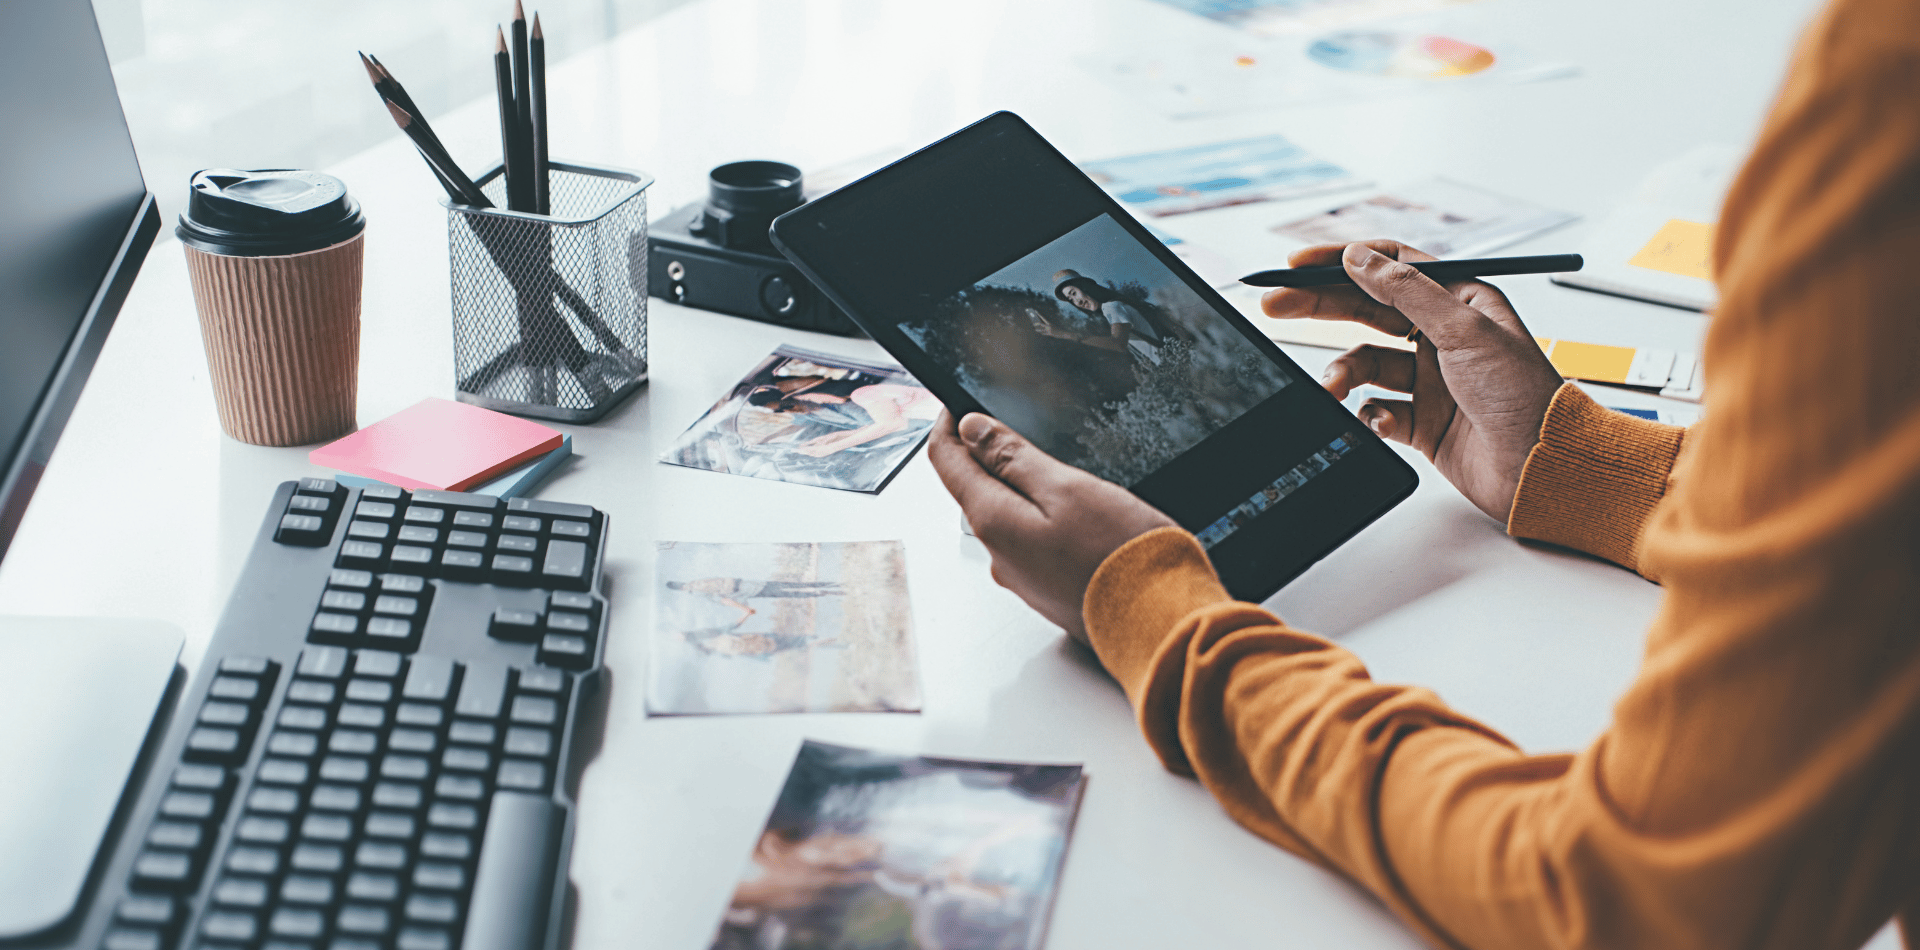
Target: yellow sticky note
point(1591, 361)
point(1680, 247)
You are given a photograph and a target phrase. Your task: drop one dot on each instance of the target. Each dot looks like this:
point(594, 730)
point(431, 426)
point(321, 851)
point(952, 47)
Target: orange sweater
point(1759, 785)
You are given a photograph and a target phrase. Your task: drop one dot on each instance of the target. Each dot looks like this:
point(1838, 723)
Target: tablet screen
point(1008, 283)
point(1098, 353)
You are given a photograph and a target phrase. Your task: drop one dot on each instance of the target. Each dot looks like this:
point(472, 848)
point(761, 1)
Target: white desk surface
point(147, 509)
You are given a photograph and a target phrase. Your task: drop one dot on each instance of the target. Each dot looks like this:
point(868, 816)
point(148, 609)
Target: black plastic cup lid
point(267, 212)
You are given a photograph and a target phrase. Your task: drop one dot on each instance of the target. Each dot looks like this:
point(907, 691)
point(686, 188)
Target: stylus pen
point(1441, 271)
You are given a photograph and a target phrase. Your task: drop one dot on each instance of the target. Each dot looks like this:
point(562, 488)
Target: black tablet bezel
point(920, 229)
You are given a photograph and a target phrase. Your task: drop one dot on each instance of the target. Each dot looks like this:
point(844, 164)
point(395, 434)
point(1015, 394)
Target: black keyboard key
point(535, 710)
point(429, 679)
point(344, 798)
point(466, 759)
point(277, 771)
point(342, 600)
point(208, 744)
point(241, 892)
point(252, 860)
point(518, 626)
point(403, 583)
point(366, 921)
point(561, 621)
point(362, 716)
point(397, 795)
point(554, 509)
point(571, 600)
point(176, 836)
point(217, 713)
point(379, 510)
point(378, 663)
point(326, 828)
point(240, 689)
point(388, 631)
point(378, 888)
point(311, 691)
point(383, 492)
point(467, 539)
point(230, 925)
point(418, 534)
point(127, 938)
point(405, 768)
point(457, 499)
point(294, 716)
point(432, 909)
point(513, 881)
point(481, 692)
point(310, 504)
point(364, 530)
point(362, 554)
point(527, 741)
point(348, 579)
point(412, 557)
point(154, 911)
point(412, 740)
point(519, 544)
point(267, 831)
point(299, 744)
point(163, 870)
point(472, 733)
point(419, 714)
point(274, 801)
point(353, 742)
point(447, 846)
point(351, 769)
point(570, 529)
point(567, 650)
point(318, 486)
point(379, 856)
point(457, 563)
point(522, 775)
point(453, 817)
point(361, 690)
point(396, 606)
point(472, 519)
point(423, 938)
point(308, 889)
point(319, 858)
point(302, 529)
point(388, 824)
point(245, 665)
point(434, 876)
point(327, 663)
point(521, 523)
point(329, 624)
point(460, 787)
point(297, 924)
point(425, 514)
point(566, 563)
point(206, 778)
point(188, 806)
point(512, 569)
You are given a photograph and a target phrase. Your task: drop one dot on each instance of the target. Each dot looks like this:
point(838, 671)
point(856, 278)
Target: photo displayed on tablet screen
point(1098, 353)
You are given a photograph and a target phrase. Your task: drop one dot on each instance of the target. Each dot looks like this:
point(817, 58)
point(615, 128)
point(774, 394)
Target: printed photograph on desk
point(1098, 353)
point(779, 628)
point(873, 850)
point(812, 419)
point(1442, 217)
point(1214, 176)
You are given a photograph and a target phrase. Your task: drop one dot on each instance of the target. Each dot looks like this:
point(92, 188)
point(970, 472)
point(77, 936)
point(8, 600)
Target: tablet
point(1008, 283)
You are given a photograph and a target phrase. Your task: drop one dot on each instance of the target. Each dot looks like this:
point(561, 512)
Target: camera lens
point(743, 198)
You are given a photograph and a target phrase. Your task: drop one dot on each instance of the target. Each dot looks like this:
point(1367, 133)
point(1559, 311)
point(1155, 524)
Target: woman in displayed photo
point(1125, 328)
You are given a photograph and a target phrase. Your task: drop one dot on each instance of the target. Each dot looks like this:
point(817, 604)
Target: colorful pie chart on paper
point(1379, 53)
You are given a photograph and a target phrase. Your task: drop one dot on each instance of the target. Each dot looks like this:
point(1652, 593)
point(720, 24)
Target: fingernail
point(1360, 254)
point(974, 428)
point(1377, 421)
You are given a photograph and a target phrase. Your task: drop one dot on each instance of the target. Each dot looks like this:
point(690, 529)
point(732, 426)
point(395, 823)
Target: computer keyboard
point(377, 749)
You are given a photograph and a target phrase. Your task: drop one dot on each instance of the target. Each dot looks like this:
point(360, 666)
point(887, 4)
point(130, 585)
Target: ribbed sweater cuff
point(1138, 597)
point(1594, 478)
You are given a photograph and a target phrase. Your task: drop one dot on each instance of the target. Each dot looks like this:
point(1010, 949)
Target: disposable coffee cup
point(275, 256)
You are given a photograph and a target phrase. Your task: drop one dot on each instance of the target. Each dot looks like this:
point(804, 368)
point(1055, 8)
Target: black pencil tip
point(536, 26)
point(519, 12)
point(499, 39)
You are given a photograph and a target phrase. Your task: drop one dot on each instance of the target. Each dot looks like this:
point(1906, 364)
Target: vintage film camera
point(715, 255)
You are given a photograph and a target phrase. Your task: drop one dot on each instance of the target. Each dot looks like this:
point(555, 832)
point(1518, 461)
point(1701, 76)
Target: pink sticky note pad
point(438, 444)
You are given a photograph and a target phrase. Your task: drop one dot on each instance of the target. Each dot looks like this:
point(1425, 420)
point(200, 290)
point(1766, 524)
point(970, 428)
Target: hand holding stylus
point(1479, 384)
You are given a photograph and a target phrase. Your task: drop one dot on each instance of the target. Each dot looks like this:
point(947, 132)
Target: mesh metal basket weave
point(550, 311)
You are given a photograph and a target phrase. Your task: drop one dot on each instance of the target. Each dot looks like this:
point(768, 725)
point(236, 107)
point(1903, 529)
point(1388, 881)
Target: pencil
point(503, 83)
point(458, 185)
point(1441, 271)
point(537, 83)
point(522, 186)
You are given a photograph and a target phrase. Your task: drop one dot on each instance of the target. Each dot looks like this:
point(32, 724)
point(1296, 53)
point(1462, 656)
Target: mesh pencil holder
point(550, 311)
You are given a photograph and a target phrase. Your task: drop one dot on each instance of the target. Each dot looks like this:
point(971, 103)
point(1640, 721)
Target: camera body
point(715, 255)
